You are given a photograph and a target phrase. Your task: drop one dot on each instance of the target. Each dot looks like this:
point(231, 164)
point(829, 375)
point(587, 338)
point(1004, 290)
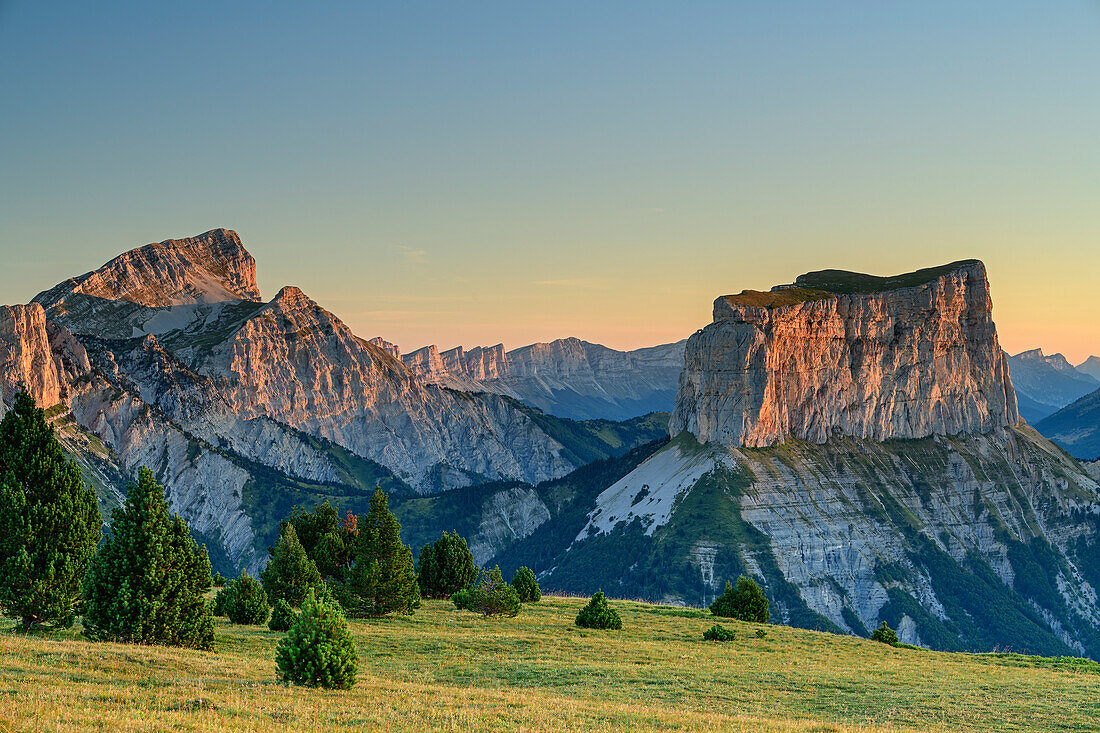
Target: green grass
point(823, 284)
point(442, 669)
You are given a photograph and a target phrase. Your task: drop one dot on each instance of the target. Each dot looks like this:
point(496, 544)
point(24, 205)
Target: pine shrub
point(248, 604)
point(598, 614)
point(445, 567)
point(147, 582)
point(223, 598)
point(526, 586)
point(383, 579)
point(463, 599)
point(49, 521)
point(283, 616)
point(318, 651)
point(885, 634)
point(718, 633)
point(745, 602)
point(218, 580)
point(492, 596)
point(289, 573)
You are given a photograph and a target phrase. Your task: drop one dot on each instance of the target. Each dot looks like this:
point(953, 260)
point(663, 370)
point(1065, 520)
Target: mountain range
point(854, 442)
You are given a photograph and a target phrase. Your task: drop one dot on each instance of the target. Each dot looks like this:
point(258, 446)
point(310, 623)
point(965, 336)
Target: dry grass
point(446, 670)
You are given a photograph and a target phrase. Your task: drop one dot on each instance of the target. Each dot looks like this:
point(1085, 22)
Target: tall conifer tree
point(146, 585)
point(290, 573)
point(383, 578)
point(49, 521)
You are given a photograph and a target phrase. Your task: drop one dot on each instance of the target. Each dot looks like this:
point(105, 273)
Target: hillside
point(442, 669)
point(1076, 427)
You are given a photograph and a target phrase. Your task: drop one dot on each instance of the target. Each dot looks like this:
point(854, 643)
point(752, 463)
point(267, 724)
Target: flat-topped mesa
point(213, 267)
point(840, 352)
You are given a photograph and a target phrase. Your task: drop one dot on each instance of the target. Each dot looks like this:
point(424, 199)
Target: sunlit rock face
point(36, 356)
point(905, 357)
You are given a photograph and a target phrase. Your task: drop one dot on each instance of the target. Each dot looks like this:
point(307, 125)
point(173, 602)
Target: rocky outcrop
point(840, 353)
point(389, 348)
point(568, 377)
point(37, 357)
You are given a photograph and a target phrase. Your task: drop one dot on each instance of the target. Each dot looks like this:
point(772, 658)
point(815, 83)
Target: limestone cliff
point(567, 377)
point(37, 356)
point(841, 353)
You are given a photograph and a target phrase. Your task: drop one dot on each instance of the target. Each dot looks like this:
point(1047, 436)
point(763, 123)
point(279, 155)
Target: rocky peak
point(1091, 367)
point(838, 352)
point(212, 267)
point(390, 348)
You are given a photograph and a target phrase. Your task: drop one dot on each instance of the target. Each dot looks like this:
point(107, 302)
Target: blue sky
point(464, 173)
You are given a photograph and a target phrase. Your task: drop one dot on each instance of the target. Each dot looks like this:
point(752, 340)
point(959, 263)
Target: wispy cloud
point(414, 256)
point(575, 282)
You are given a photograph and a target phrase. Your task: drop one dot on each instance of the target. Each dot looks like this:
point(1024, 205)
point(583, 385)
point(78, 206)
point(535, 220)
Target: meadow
point(443, 669)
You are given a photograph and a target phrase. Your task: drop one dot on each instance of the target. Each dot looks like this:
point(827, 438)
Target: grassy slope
point(447, 670)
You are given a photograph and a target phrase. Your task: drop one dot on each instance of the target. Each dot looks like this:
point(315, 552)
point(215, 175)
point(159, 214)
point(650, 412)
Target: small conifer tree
point(885, 634)
point(289, 572)
point(282, 616)
point(147, 582)
point(526, 586)
point(598, 614)
point(223, 598)
point(492, 596)
point(445, 566)
point(383, 579)
point(248, 604)
point(318, 651)
point(49, 521)
point(745, 602)
point(219, 581)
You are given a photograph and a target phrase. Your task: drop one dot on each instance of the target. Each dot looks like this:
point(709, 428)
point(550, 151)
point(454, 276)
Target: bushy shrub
point(248, 602)
point(445, 567)
point(526, 586)
point(745, 602)
point(718, 633)
point(383, 578)
point(761, 633)
point(147, 582)
point(463, 599)
point(318, 651)
point(885, 634)
point(49, 521)
point(598, 614)
point(282, 616)
point(222, 599)
point(289, 572)
point(218, 580)
point(492, 596)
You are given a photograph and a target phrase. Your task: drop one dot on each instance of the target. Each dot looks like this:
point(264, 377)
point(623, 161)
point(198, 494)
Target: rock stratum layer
point(841, 353)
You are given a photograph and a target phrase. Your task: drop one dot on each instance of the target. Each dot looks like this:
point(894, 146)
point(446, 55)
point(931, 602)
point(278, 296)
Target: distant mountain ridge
point(1076, 427)
point(567, 377)
point(1045, 384)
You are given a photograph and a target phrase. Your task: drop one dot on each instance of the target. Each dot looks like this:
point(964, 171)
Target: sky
point(476, 173)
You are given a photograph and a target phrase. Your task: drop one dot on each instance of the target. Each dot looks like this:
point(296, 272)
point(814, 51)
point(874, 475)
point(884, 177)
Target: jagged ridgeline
point(168, 357)
point(852, 442)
